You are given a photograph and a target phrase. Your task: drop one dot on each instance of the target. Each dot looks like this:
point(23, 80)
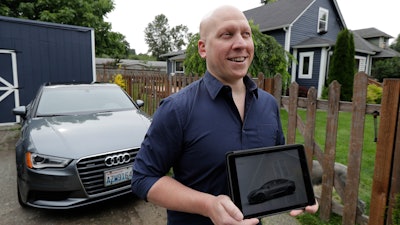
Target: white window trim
point(310, 65)
point(174, 67)
point(321, 12)
point(362, 67)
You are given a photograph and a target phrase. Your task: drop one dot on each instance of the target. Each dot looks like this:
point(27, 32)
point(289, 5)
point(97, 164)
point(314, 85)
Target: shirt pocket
point(267, 134)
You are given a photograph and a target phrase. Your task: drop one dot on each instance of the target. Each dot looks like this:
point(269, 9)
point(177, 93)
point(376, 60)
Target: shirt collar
point(214, 86)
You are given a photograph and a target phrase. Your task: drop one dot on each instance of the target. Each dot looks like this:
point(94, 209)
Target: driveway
point(125, 210)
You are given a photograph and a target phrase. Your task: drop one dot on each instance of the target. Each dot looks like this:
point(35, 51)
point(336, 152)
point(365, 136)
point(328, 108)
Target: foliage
point(386, 68)
point(343, 64)
point(264, 2)
point(396, 210)
point(143, 57)
point(193, 63)
point(269, 56)
point(342, 146)
point(119, 80)
point(88, 13)
point(161, 39)
point(374, 94)
point(313, 219)
point(396, 44)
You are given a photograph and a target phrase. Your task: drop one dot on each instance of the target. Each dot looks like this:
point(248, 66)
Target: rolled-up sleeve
point(158, 151)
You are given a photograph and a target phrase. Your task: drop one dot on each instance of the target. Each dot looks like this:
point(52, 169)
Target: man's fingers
point(312, 208)
point(309, 209)
point(232, 209)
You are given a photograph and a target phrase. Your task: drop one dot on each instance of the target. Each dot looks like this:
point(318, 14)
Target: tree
point(269, 56)
point(342, 64)
point(386, 68)
point(87, 13)
point(267, 1)
point(161, 39)
point(193, 63)
point(396, 44)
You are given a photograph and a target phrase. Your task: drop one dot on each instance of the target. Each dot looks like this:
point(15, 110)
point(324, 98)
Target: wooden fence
point(152, 88)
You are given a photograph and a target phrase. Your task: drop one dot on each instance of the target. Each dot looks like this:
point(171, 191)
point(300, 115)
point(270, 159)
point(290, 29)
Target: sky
point(130, 18)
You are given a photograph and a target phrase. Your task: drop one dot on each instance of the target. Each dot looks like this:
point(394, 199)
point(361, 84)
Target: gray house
point(371, 44)
point(174, 62)
point(33, 53)
point(305, 28)
point(308, 30)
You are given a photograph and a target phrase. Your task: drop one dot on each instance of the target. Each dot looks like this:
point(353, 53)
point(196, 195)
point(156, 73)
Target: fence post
point(385, 151)
point(310, 125)
point(356, 145)
point(329, 155)
point(292, 115)
point(278, 88)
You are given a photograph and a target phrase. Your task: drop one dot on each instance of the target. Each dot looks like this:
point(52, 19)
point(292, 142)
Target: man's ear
point(201, 46)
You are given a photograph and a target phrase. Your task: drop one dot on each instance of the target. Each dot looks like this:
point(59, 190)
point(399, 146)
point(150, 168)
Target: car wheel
point(20, 201)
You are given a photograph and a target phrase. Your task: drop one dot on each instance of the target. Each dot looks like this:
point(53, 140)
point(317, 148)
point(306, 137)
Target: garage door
point(9, 95)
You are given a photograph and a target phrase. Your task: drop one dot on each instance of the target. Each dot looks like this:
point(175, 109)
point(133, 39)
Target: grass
point(342, 149)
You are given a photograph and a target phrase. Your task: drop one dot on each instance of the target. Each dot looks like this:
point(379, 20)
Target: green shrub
point(396, 211)
point(374, 94)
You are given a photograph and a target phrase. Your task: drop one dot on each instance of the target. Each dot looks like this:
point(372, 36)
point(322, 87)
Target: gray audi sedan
point(77, 145)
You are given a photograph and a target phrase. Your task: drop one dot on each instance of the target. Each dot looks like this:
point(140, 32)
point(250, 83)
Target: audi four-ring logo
point(118, 159)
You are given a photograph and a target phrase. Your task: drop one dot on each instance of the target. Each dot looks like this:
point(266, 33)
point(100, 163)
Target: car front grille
point(91, 171)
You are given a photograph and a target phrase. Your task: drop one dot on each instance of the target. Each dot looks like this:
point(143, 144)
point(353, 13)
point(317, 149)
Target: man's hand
point(309, 209)
point(223, 211)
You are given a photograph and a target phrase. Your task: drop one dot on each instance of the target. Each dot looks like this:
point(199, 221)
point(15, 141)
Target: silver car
point(77, 145)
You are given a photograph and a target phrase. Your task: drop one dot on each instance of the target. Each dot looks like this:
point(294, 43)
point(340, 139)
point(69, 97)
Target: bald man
point(193, 129)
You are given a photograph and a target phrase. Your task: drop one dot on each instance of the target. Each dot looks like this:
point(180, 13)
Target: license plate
point(117, 176)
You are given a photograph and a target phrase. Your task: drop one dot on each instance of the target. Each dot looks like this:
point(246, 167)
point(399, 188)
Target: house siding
point(306, 26)
point(279, 35)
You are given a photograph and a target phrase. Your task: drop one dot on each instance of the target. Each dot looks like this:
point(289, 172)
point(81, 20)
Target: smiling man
point(193, 129)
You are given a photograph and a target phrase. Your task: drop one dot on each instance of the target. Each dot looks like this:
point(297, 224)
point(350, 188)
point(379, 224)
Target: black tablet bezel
point(233, 180)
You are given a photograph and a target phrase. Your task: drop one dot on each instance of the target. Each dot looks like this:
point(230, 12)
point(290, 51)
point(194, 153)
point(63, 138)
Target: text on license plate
point(117, 176)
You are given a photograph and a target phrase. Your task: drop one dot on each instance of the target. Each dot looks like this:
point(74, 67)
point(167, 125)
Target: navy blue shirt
point(191, 132)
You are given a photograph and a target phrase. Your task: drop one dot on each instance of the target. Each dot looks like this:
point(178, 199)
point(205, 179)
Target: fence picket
point(356, 146)
point(386, 144)
point(330, 150)
point(151, 87)
point(292, 119)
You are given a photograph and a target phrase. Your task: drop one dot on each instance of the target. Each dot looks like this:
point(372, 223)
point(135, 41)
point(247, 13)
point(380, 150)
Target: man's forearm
point(170, 194)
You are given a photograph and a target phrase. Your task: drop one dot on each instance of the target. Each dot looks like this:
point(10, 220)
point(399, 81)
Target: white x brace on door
point(9, 83)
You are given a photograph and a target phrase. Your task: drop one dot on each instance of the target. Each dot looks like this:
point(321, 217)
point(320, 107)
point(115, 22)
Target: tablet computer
point(270, 180)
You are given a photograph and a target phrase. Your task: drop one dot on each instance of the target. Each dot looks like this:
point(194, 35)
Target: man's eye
point(247, 34)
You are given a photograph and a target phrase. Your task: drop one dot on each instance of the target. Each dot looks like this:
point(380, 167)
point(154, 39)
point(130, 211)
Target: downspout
point(324, 68)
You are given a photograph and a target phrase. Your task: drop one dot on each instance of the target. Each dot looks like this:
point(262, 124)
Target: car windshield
point(82, 99)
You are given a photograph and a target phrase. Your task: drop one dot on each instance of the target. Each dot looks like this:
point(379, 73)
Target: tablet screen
point(270, 180)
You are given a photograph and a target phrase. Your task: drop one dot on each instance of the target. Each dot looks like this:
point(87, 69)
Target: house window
point(306, 65)
point(360, 63)
point(323, 21)
point(178, 67)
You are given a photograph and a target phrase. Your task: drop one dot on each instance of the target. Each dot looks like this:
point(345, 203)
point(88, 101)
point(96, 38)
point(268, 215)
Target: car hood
point(83, 135)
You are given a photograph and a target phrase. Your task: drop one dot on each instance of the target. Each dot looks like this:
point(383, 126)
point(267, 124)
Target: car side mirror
point(20, 111)
point(140, 103)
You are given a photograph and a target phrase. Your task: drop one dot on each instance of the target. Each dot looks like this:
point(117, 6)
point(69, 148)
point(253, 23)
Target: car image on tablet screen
point(270, 190)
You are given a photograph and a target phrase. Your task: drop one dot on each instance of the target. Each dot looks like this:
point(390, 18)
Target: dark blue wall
point(47, 52)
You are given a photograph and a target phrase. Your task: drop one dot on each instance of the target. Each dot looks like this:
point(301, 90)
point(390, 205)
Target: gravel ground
point(124, 212)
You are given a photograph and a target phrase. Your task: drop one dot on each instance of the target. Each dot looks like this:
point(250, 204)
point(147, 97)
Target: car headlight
point(39, 161)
